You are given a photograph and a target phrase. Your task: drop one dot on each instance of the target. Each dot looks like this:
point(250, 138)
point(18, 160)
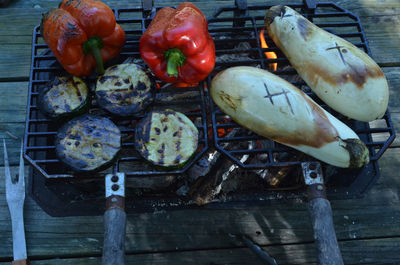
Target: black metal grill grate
point(246, 28)
point(235, 30)
point(40, 131)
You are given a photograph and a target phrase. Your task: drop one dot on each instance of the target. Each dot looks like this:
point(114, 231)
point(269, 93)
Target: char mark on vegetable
point(304, 27)
point(273, 12)
point(106, 77)
point(284, 92)
point(338, 48)
point(76, 88)
point(283, 12)
point(70, 34)
point(229, 100)
point(162, 154)
point(177, 159)
point(71, 26)
point(141, 86)
point(269, 95)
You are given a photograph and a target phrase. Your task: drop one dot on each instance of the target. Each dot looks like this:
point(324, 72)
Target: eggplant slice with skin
point(125, 89)
point(88, 143)
point(64, 97)
point(166, 138)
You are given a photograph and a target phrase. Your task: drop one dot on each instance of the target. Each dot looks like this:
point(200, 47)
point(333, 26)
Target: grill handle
point(320, 211)
point(324, 232)
point(114, 220)
point(114, 237)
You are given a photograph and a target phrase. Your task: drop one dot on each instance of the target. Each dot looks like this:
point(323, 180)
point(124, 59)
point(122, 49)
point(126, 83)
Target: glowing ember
point(181, 84)
point(269, 55)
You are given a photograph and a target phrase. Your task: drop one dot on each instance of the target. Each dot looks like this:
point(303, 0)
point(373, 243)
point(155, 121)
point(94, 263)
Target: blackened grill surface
point(235, 33)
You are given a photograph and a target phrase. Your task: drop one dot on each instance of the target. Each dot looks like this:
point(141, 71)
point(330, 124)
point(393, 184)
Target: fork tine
point(21, 165)
point(6, 165)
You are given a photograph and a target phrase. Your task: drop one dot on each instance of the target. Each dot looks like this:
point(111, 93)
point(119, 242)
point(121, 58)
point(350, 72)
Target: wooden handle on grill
point(114, 232)
point(320, 212)
point(20, 262)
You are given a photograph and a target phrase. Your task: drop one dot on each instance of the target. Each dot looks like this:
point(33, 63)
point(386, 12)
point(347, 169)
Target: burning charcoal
point(203, 166)
point(206, 187)
point(175, 97)
point(240, 56)
point(275, 177)
point(154, 183)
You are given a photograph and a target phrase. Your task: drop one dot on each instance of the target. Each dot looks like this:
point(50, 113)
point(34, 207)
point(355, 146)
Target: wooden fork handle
point(21, 262)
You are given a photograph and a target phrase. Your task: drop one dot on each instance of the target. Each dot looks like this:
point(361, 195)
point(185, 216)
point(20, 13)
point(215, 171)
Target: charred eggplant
point(271, 107)
point(64, 97)
point(339, 73)
point(125, 89)
point(166, 138)
point(88, 143)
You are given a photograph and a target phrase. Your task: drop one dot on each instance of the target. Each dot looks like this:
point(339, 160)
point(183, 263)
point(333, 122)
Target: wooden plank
point(13, 100)
point(381, 38)
point(369, 251)
point(393, 76)
point(13, 97)
point(16, 57)
point(283, 223)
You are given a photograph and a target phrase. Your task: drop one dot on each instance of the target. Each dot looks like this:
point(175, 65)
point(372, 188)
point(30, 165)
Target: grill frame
point(361, 180)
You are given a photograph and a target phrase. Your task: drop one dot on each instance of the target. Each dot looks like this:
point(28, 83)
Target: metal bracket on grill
point(147, 6)
point(310, 4)
point(240, 11)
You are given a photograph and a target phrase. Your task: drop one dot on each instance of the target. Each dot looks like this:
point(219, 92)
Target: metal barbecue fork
point(15, 195)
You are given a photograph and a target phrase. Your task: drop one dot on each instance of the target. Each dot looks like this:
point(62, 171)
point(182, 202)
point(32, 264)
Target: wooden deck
point(368, 229)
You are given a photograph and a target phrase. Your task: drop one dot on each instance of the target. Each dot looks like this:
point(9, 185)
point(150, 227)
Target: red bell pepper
point(177, 46)
point(82, 34)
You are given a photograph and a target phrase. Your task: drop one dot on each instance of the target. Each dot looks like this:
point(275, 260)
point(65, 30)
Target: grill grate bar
point(41, 133)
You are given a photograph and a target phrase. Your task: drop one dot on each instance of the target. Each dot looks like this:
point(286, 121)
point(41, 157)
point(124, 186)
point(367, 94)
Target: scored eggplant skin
point(338, 72)
point(64, 97)
point(272, 107)
point(88, 143)
point(166, 138)
point(125, 89)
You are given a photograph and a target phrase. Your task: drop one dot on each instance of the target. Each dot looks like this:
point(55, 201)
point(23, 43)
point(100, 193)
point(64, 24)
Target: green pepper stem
point(174, 58)
point(93, 46)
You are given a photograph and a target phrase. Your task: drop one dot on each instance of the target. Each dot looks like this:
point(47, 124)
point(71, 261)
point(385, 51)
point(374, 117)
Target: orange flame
point(181, 84)
point(269, 55)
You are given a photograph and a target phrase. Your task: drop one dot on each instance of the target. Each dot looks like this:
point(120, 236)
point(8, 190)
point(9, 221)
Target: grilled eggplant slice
point(166, 138)
point(125, 89)
point(64, 97)
point(88, 143)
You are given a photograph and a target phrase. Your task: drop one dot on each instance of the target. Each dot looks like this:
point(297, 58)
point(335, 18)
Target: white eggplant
point(338, 72)
point(272, 107)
